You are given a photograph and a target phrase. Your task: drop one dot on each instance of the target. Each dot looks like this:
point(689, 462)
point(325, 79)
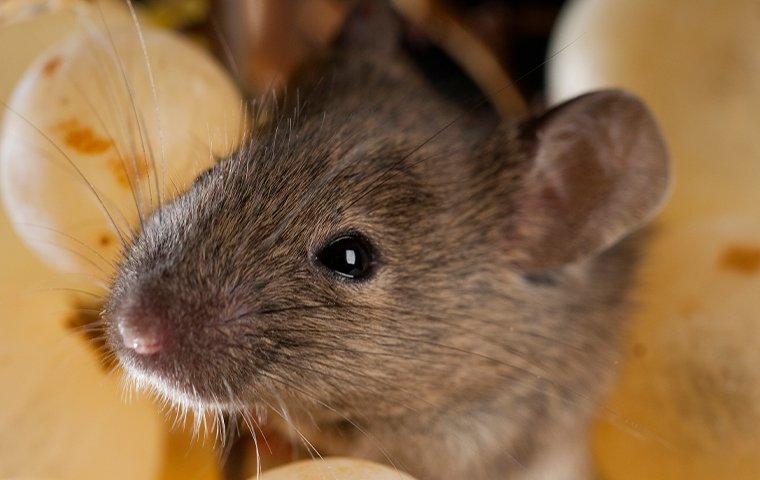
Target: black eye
point(349, 256)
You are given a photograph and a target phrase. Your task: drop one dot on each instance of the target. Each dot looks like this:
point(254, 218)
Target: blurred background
point(687, 404)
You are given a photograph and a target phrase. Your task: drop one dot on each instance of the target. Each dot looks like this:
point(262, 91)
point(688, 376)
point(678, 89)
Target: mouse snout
point(179, 345)
point(139, 327)
point(141, 333)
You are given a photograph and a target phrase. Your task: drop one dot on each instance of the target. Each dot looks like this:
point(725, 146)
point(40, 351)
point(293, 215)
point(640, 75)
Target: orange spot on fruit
point(51, 66)
point(82, 138)
point(105, 240)
point(129, 171)
point(741, 258)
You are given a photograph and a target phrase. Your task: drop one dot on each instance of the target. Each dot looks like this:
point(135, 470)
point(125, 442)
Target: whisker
point(122, 160)
point(79, 172)
point(518, 379)
point(79, 242)
point(535, 370)
point(80, 255)
point(309, 446)
point(343, 380)
point(110, 90)
point(510, 84)
point(116, 58)
point(154, 91)
point(364, 432)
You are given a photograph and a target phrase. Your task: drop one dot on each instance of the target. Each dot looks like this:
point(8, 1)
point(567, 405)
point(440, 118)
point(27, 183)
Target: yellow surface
point(62, 415)
point(688, 405)
point(186, 457)
point(335, 469)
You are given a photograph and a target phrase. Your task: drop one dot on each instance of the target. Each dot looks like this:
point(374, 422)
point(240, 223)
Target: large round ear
point(599, 169)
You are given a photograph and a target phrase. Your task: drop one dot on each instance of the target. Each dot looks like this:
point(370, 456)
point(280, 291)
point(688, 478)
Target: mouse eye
point(349, 256)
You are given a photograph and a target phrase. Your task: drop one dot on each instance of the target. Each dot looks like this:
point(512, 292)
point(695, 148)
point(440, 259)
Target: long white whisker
point(78, 171)
point(128, 86)
point(154, 92)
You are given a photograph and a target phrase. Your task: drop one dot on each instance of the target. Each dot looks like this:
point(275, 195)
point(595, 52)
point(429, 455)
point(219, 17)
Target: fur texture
point(452, 360)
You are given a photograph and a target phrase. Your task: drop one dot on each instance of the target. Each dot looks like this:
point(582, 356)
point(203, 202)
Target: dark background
point(517, 30)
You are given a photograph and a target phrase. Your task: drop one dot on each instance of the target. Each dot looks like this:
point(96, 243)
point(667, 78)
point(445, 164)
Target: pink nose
point(143, 338)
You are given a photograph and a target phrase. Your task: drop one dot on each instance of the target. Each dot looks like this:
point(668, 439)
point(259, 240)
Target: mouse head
point(379, 250)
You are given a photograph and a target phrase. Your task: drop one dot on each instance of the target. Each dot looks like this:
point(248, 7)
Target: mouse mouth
point(183, 397)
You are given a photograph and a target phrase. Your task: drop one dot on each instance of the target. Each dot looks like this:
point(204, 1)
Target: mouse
point(397, 277)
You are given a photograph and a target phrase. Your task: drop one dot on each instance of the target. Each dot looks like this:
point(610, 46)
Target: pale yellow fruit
point(688, 404)
point(28, 27)
point(335, 469)
point(95, 128)
point(61, 415)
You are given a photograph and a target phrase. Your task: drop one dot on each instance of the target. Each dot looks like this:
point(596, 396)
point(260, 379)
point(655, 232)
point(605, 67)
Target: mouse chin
point(178, 387)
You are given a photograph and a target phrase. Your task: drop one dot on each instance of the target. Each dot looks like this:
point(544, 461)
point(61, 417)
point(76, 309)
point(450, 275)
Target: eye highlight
point(350, 256)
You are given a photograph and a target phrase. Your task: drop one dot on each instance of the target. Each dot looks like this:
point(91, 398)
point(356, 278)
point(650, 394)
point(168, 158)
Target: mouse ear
point(599, 169)
point(371, 26)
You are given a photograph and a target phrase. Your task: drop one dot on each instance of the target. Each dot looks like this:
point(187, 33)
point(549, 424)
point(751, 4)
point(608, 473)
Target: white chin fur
point(169, 395)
